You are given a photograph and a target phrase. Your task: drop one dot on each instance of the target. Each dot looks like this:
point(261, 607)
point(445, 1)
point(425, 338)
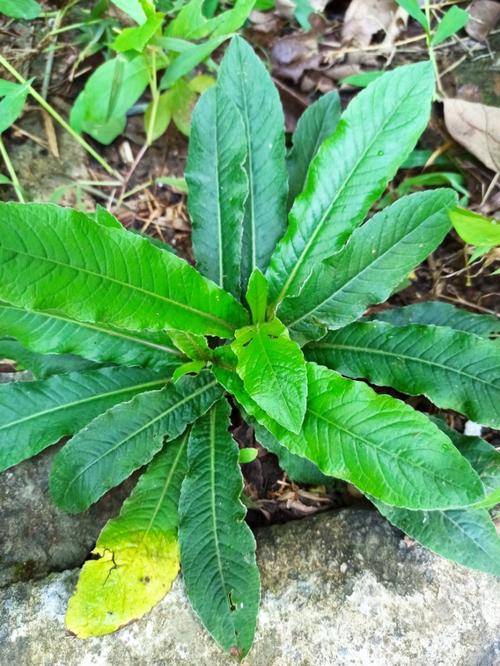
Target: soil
point(161, 211)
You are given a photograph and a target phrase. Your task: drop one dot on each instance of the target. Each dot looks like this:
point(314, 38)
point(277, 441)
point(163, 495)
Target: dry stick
point(58, 118)
point(13, 176)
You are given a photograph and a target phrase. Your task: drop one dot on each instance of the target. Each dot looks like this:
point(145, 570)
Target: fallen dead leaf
point(365, 18)
point(484, 15)
point(477, 128)
point(293, 55)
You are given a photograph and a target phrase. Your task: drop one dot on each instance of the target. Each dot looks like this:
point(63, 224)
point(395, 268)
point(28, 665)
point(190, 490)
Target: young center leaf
point(256, 296)
point(454, 369)
point(218, 188)
point(351, 170)
point(245, 80)
point(376, 259)
point(273, 371)
point(124, 438)
point(438, 313)
point(217, 546)
point(53, 333)
point(370, 440)
point(136, 557)
point(34, 415)
point(315, 125)
point(54, 258)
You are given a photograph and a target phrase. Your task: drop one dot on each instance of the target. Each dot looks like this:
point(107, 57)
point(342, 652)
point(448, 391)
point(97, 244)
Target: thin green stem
point(155, 99)
point(430, 49)
point(57, 117)
point(10, 169)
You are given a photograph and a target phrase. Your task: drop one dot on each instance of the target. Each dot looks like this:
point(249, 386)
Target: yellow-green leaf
point(137, 552)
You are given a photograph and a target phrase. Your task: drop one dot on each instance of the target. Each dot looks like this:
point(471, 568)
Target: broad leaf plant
point(142, 358)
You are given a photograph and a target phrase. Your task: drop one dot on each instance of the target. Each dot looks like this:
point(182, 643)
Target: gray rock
point(340, 588)
point(37, 538)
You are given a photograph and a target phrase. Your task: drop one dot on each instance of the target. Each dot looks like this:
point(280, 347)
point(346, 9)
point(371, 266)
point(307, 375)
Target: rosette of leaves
point(141, 353)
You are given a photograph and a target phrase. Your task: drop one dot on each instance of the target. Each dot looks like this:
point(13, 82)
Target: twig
point(10, 168)
point(57, 117)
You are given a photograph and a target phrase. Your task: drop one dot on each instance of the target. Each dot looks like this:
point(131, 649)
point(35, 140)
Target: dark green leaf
point(218, 188)
point(437, 313)
point(373, 441)
point(315, 125)
point(54, 258)
point(113, 445)
point(296, 467)
point(455, 370)
point(186, 61)
point(466, 536)
point(377, 258)
point(34, 415)
point(273, 371)
point(217, 547)
point(52, 333)
point(42, 365)
point(351, 170)
point(246, 81)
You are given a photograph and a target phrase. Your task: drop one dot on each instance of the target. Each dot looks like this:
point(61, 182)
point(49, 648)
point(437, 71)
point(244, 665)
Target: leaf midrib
point(166, 486)
point(205, 315)
point(325, 216)
point(104, 330)
point(414, 359)
point(373, 445)
point(137, 432)
point(99, 396)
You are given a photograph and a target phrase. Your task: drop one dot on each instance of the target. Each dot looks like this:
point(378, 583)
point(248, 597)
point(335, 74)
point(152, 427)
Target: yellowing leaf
point(138, 552)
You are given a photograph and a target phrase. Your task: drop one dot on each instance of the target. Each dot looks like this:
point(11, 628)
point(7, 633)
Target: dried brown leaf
point(484, 15)
point(477, 128)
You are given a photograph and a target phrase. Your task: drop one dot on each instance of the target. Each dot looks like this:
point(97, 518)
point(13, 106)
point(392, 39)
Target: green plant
point(141, 53)
point(453, 20)
point(275, 319)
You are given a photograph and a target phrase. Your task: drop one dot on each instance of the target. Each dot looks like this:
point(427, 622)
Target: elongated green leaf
point(483, 457)
point(351, 170)
point(454, 20)
point(21, 9)
point(123, 439)
point(273, 371)
point(100, 109)
point(437, 313)
point(475, 229)
point(34, 415)
point(377, 258)
point(217, 547)
point(373, 441)
point(218, 188)
point(413, 9)
point(466, 536)
point(54, 258)
point(52, 333)
point(315, 125)
point(246, 81)
point(136, 557)
point(297, 468)
point(187, 60)
point(455, 370)
point(192, 23)
point(42, 365)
